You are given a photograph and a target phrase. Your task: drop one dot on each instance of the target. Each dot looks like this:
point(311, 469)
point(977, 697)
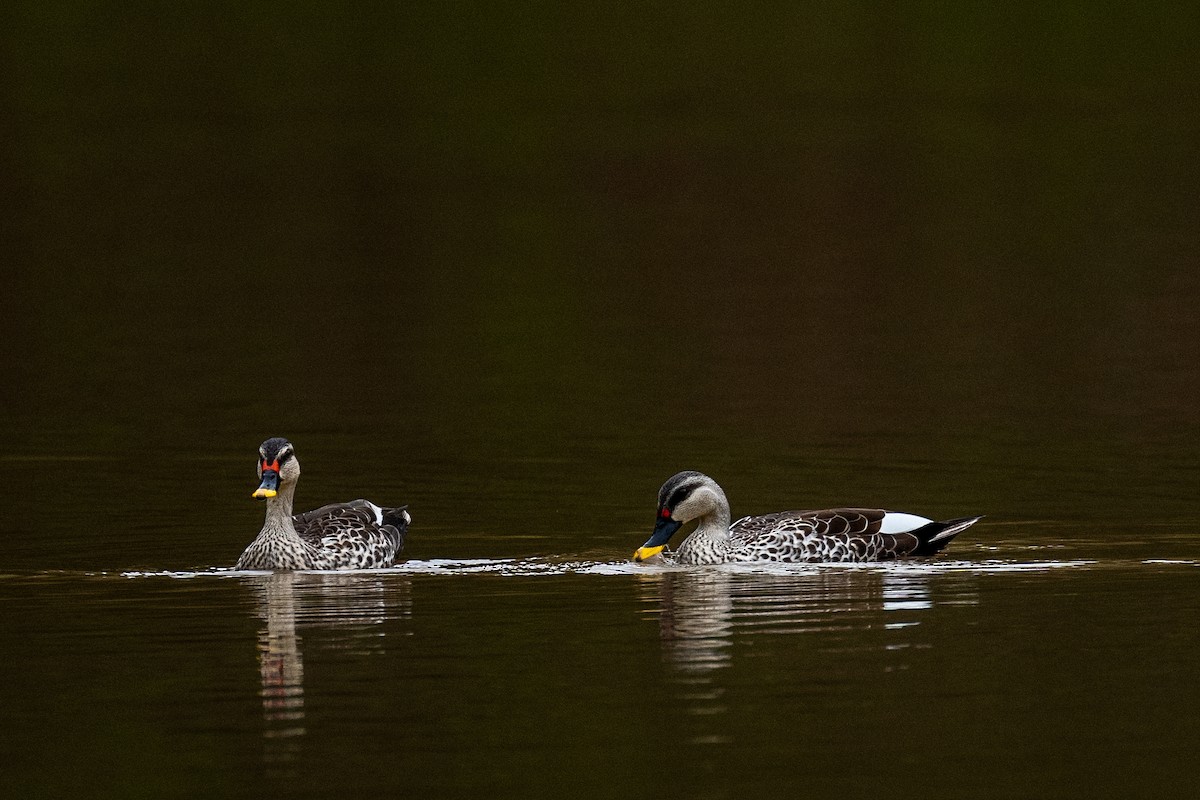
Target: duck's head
point(686, 496)
point(277, 465)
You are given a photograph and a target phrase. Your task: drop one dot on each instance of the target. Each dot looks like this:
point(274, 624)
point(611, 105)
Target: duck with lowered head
point(836, 534)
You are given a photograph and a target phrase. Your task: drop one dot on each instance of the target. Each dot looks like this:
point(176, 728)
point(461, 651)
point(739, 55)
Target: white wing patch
point(896, 522)
point(377, 511)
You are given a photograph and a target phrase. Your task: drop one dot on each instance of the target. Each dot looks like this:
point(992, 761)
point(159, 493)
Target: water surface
point(998, 674)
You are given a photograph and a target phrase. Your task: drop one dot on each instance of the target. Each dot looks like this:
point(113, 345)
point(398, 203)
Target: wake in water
point(527, 567)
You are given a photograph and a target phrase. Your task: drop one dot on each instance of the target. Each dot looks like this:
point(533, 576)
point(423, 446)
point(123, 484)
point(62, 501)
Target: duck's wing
point(843, 534)
point(358, 533)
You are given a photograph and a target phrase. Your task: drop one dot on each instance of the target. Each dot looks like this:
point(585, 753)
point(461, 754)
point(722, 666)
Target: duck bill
point(269, 486)
point(646, 553)
point(664, 529)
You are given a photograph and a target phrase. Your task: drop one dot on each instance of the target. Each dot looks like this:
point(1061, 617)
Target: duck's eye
point(665, 513)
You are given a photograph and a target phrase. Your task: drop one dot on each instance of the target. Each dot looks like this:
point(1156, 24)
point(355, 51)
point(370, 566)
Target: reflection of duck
point(696, 623)
point(707, 617)
point(281, 667)
point(841, 534)
point(351, 535)
point(351, 603)
point(701, 613)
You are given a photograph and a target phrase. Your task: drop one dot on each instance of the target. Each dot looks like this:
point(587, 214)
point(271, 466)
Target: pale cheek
point(691, 508)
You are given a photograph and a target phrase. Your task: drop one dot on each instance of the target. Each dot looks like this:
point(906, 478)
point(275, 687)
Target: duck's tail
point(936, 535)
point(399, 518)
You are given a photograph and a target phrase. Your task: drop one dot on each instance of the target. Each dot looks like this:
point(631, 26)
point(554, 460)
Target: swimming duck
point(354, 535)
point(836, 534)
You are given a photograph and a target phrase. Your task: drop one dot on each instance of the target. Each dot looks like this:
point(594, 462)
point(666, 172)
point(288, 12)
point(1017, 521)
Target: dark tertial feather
point(936, 535)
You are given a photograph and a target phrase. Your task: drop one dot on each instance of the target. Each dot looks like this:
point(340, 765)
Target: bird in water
point(836, 534)
point(354, 535)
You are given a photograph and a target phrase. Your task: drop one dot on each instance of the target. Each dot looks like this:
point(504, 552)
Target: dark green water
point(515, 266)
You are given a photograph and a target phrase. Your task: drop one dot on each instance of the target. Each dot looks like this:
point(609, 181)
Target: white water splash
point(530, 567)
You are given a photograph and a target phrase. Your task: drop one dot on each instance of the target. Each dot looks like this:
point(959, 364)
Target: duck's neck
point(709, 543)
point(714, 526)
point(279, 511)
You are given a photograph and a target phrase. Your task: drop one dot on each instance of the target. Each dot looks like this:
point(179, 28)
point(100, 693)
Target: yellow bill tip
point(261, 492)
point(645, 553)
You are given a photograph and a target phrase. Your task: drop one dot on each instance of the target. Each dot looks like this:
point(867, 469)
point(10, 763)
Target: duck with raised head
point(354, 535)
point(835, 534)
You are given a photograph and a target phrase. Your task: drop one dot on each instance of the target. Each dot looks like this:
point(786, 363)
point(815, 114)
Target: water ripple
point(528, 567)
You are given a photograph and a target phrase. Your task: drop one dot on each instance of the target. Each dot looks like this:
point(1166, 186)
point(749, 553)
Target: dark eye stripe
point(679, 494)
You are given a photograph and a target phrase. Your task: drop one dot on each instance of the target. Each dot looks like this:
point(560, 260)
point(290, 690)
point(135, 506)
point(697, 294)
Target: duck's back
point(839, 534)
point(354, 535)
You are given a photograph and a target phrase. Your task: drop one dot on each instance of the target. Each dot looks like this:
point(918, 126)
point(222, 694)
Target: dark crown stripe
point(272, 447)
